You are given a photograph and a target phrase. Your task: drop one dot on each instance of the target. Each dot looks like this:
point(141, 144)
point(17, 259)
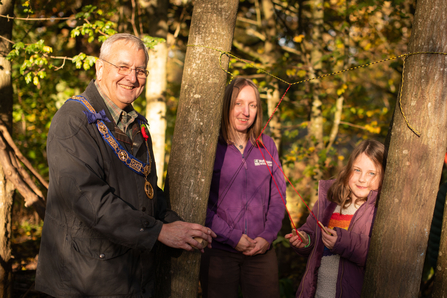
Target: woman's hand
point(329, 240)
point(295, 240)
point(245, 244)
point(261, 247)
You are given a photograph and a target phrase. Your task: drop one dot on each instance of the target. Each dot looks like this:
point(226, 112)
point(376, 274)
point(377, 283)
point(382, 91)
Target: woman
point(246, 206)
point(346, 207)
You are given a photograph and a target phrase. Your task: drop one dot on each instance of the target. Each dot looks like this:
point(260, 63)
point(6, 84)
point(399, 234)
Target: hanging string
point(230, 55)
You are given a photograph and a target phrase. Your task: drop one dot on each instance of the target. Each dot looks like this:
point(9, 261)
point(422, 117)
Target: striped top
point(328, 271)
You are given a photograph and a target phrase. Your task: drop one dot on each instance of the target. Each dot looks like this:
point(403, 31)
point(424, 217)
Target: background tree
point(6, 187)
point(414, 164)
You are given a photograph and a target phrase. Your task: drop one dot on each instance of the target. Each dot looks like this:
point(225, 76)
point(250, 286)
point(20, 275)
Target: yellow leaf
point(311, 149)
point(369, 113)
point(47, 49)
point(36, 80)
point(291, 72)
point(298, 38)
point(340, 91)
point(341, 157)
point(301, 73)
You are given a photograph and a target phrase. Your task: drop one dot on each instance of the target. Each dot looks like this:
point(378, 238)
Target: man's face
point(121, 89)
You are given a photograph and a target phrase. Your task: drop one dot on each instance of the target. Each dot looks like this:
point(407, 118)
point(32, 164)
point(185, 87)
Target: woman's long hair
point(227, 131)
point(339, 192)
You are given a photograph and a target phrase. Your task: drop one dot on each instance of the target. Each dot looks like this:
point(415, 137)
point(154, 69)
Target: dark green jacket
point(100, 227)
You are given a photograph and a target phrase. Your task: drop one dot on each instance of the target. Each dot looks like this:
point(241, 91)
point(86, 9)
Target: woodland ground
point(25, 249)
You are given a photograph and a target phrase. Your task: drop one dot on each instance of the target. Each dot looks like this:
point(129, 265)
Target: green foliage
point(151, 42)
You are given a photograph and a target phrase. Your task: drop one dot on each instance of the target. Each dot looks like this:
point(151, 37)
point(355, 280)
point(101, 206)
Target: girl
point(346, 206)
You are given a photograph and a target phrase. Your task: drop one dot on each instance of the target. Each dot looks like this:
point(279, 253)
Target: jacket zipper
point(351, 226)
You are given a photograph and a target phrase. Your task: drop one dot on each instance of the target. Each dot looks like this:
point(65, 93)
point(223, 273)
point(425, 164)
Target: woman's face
point(364, 178)
point(244, 111)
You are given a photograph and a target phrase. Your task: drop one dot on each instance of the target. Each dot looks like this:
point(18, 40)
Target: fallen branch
point(11, 173)
point(19, 155)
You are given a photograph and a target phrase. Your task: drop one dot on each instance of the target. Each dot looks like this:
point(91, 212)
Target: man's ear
point(99, 65)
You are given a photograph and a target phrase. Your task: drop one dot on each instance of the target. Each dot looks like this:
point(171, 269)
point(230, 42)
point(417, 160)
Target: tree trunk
point(400, 233)
point(440, 284)
point(196, 131)
point(271, 55)
point(6, 187)
point(156, 81)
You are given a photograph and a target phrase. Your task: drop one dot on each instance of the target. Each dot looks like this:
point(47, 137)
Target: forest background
point(276, 42)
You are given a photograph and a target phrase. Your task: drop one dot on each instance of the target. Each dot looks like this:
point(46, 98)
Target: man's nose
point(132, 76)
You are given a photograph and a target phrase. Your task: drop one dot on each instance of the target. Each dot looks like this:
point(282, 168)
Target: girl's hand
point(329, 240)
point(295, 240)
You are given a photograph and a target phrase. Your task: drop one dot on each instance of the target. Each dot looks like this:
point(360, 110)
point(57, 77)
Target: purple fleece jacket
point(244, 199)
point(352, 246)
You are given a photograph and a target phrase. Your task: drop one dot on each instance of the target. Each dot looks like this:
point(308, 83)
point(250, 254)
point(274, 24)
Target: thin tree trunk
point(196, 131)
point(6, 187)
point(315, 130)
point(400, 232)
point(156, 81)
point(271, 58)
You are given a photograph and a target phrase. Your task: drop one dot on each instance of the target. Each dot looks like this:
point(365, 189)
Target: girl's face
point(364, 178)
point(244, 111)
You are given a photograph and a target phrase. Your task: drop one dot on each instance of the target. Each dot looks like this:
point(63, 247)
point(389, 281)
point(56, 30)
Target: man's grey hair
point(107, 45)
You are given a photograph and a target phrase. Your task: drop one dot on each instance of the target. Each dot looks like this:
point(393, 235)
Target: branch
point(36, 19)
point(31, 199)
point(353, 125)
point(26, 177)
point(245, 20)
point(292, 50)
point(10, 41)
point(17, 152)
point(248, 51)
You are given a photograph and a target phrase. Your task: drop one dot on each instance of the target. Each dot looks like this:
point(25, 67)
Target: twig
point(353, 125)
point(36, 19)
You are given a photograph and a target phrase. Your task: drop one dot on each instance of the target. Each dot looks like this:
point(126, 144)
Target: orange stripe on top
point(340, 221)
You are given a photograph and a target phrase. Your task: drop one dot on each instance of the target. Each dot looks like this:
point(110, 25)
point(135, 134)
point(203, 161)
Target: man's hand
point(245, 244)
point(329, 240)
point(295, 240)
point(261, 247)
point(180, 234)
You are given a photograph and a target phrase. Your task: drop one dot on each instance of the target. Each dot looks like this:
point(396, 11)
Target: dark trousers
point(221, 272)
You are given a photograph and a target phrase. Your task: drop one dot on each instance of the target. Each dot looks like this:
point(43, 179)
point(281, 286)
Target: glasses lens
point(141, 73)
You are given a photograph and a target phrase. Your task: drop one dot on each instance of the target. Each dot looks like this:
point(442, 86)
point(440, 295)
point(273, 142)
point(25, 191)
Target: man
point(103, 216)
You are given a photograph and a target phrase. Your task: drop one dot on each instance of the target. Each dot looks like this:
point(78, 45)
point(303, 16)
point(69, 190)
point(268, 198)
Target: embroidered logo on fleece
point(261, 162)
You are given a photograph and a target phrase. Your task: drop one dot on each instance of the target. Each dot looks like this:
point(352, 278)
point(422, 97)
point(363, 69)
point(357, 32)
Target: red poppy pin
point(144, 132)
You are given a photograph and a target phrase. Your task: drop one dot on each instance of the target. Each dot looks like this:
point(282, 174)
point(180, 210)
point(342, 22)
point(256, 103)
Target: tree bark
point(196, 131)
point(156, 82)
point(400, 232)
point(6, 187)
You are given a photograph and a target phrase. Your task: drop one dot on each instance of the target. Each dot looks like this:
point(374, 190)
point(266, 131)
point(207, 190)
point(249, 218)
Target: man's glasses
point(125, 70)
